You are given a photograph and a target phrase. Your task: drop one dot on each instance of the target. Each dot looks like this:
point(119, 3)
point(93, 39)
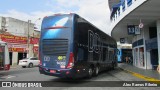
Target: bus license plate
point(52, 71)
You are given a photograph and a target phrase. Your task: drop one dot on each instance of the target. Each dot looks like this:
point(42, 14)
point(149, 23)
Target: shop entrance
point(154, 58)
point(10, 57)
point(21, 56)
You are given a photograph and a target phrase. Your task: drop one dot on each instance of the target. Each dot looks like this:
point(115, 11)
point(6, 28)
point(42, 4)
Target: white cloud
point(97, 14)
point(33, 16)
point(95, 11)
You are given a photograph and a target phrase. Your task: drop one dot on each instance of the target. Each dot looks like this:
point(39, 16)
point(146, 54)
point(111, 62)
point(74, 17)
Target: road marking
point(6, 76)
point(150, 79)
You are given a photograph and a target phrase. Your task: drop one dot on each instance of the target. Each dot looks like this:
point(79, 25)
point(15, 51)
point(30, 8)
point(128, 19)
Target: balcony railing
point(122, 7)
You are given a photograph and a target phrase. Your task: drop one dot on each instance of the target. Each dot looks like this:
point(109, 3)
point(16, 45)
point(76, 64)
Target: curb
point(147, 78)
point(14, 67)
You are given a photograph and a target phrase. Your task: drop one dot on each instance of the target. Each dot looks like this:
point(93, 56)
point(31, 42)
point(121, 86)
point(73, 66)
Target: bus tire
point(30, 65)
point(90, 72)
point(96, 71)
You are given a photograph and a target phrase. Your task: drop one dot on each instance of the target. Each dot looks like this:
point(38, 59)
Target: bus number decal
point(93, 42)
point(90, 41)
point(96, 43)
point(46, 58)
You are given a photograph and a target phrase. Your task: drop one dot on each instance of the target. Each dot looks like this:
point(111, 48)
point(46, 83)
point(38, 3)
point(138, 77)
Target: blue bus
point(123, 53)
point(71, 47)
point(119, 55)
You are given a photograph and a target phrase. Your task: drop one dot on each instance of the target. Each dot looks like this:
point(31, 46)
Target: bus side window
point(80, 55)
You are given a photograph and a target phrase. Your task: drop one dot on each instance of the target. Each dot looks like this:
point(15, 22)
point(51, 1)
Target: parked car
point(29, 62)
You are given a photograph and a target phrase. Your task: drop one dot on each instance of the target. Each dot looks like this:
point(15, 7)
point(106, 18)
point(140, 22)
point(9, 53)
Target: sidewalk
point(15, 66)
point(145, 72)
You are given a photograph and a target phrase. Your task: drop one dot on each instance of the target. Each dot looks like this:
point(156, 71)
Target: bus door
point(2, 59)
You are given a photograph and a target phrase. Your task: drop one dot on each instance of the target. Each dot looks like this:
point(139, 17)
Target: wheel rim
point(30, 65)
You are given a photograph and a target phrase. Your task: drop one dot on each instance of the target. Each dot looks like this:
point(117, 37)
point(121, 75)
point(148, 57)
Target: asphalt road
point(101, 82)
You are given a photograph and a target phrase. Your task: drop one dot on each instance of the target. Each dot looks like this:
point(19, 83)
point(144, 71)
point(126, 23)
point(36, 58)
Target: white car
point(29, 62)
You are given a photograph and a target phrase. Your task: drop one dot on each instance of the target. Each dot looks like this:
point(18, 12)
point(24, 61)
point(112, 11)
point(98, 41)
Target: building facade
point(21, 37)
point(138, 23)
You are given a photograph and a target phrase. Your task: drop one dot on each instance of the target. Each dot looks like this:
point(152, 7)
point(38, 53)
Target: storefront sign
point(13, 39)
point(15, 45)
point(17, 50)
point(34, 40)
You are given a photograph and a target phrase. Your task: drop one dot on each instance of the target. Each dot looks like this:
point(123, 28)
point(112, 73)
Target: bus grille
point(55, 46)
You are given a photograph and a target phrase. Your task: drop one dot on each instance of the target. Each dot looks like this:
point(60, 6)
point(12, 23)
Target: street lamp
point(35, 23)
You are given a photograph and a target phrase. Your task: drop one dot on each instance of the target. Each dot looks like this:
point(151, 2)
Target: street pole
point(34, 34)
point(28, 37)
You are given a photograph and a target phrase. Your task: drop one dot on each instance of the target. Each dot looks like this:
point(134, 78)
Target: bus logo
point(6, 84)
point(46, 58)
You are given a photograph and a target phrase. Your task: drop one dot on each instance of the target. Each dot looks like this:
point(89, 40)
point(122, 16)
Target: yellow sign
point(61, 57)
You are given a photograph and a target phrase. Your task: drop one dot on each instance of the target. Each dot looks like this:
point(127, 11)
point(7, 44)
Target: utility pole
point(28, 38)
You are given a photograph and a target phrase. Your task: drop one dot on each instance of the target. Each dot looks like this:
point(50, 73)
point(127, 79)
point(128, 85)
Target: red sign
point(13, 39)
point(35, 49)
point(17, 50)
point(34, 40)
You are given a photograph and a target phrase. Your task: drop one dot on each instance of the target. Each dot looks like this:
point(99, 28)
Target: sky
point(95, 11)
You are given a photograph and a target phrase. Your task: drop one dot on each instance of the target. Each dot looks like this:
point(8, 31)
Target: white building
point(127, 17)
point(18, 34)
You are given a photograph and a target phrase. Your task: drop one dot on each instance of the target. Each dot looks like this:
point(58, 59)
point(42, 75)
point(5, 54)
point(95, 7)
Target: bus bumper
point(63, 73)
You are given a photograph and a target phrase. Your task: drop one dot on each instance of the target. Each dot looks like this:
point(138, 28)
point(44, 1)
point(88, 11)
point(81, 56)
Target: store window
point(141, 56)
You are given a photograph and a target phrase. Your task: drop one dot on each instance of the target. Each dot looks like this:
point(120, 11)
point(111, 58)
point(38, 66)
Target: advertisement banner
point(13, 39)
point(34, 40)
point(17, 50)
point(35, 49)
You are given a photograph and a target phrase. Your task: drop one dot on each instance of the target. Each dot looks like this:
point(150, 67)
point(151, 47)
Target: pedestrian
point(127, 59)
point(158, 68)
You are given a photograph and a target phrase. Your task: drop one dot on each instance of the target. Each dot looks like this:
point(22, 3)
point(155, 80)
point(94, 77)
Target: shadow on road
point(83, 82)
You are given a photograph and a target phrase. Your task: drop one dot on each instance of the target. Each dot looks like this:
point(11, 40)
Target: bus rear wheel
point(90, 72)
point(96, 71)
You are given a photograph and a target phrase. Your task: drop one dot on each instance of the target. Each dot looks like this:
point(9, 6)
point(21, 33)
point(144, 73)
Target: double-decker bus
point(71, 47)
point(4, 56)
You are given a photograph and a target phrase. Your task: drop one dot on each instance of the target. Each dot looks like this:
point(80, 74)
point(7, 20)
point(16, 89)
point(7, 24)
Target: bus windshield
point(55, 22)
point(56, 27)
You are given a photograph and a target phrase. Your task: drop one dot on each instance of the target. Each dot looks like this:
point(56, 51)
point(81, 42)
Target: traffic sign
point(141, 25)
